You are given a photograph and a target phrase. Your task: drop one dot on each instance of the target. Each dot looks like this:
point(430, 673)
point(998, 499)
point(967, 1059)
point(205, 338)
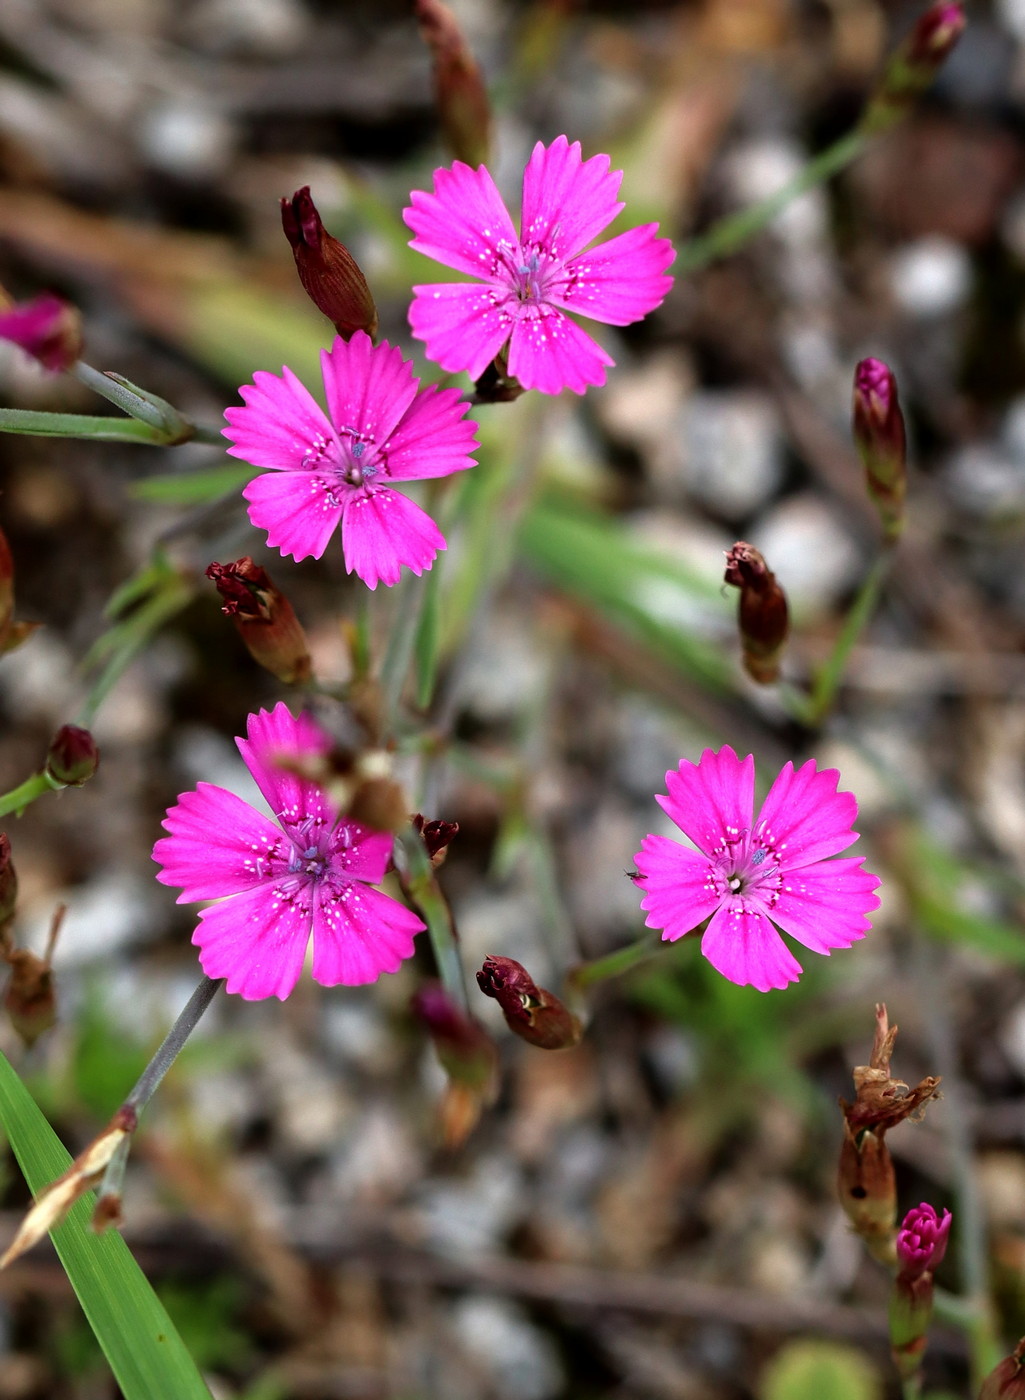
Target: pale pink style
point(338, 468)
point(530, 280)
point(279, 881)
point(751, 875)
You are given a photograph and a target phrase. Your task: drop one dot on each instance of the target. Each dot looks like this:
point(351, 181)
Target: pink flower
point(530, 281)
point(922, 1241)
point(331, 469)
point(750, 875)
point(47, 328)
point(305, 872)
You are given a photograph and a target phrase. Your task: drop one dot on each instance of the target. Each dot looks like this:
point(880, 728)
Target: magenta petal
point(619, 281)
point(804, 817)
point(358, 933)
point(282, 426)
point(548, 352)
point(433, 439)
point(275, 738)
point(257, 939)
point(827, 905)
point(384, 530)
point(359, 853)
point(299, 511)
point(368, 386)
point(567, 200)
point(678, 889)
point(711, 800)
point(464, 224)
point(742, 944)
point(463, 324)
point(218, 845)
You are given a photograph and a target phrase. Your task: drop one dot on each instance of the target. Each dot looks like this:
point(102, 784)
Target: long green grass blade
point(146, 1354)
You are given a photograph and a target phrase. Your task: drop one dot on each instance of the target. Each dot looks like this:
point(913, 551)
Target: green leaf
point(810, 1370)
point(145, 1352)
point(428, 638)
point(38, 423)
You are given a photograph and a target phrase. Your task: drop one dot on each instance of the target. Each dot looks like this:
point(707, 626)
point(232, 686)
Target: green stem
point(827, 681)
point(731, 233)
point(19, 798)
point(615, 964)
point(35, 423)
point(422, 888)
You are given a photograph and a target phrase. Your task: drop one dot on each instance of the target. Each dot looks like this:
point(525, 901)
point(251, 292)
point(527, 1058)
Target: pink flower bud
point(265, 619)
point(47, 328)
point(879, 435)
point(922, 1240)
point(329, 273)
point(763, 615)
point(914, 64)
point(466, 1051)
point(459, 90)
point(72, 757)
point(532, 1012)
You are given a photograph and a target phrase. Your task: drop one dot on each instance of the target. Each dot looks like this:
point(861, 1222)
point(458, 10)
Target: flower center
point(357, 453)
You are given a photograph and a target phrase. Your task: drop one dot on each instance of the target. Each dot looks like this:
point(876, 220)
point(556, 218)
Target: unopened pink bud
point(459, 90)
point(47, 328)
point(922, 1240)
point(72, 757)
point(329, 273)
point(881, 440)
point(914, 64)
point(466, 1051)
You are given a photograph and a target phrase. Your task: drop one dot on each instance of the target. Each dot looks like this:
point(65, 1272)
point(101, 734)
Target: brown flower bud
point(8, 885)
point(264, 618)
point(30, 999)
point(329, 273)
point(914, 64)
point(536, 1015)
point(879, 435)
point(12, 633)
point(763, 616)
point(437, 837)
point(72, 757)
point(459, 91)
point(1007, 1381)
point(47, 328)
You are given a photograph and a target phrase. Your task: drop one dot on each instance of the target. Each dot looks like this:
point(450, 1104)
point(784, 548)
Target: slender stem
point(615, 964)
point(19, 798)
point(911, 1388)
point(395, 666)
point(827, 681)
point(422, 888)
point(36, 423)
point(731, 233)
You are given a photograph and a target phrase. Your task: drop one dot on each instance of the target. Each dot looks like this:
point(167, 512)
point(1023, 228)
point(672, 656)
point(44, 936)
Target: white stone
point(931, 276)
point(810, 552)
point(521, 1358)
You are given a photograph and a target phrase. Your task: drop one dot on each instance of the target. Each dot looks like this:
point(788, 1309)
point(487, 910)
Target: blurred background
point(651, 1215)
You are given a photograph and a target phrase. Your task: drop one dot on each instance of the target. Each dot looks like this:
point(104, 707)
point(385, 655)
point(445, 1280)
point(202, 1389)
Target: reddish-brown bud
point(8, 886)
point(264, 618)
point(12, 633)
point(329, 273)
point(763, 616)
point(1007, 1381)
point(459, 91)
point(881, 440)
point(536, 1015)
point(47, 328)
point(914, 64)
point(72, 757)
point(30, 999)
point(437, 837)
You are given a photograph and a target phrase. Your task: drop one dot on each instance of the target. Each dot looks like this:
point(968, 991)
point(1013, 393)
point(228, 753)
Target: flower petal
point(804, 818)
point(549, 352)
point(463, 324)
point(826, 905)
point(368, 386)
point(434, 437)
point(357, 853)
point(567, 200)
point(383, 530)
point(711, 801)
point(742, 944)
point(358, 933)
point(464, 224)
point(677, 885)
point(257, 939)
point(218, 845)
point(299, 510)
point(619, 281)
point(282, 426)
point(275, 738)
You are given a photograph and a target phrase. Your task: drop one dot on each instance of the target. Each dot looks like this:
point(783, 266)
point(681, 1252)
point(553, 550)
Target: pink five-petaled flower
point(305, 872)
point(339, 467)
point(532, 279)
point(750, 874)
